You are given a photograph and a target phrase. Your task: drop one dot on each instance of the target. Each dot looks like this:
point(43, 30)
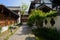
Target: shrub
point(29, 24)
point(9, 28)
point(47, 33)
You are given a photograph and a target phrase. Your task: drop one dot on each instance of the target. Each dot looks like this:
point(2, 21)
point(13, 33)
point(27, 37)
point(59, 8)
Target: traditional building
point(15, 9)
point(38, 3)
point(7, 17)
point(46, 6)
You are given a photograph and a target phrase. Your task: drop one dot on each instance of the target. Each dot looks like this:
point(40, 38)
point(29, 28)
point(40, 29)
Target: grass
point(2, 34)
point(10, 34)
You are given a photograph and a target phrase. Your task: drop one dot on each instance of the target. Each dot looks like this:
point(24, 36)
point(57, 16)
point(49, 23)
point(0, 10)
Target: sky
point(14, 2)
point(17, 2)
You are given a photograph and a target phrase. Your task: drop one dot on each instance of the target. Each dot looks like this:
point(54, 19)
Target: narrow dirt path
point(23, 33)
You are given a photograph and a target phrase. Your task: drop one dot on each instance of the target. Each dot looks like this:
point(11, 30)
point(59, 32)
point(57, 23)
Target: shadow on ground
point(30, 38)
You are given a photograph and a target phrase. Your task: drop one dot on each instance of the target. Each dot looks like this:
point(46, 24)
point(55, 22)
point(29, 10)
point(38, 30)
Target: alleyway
point(23, 33)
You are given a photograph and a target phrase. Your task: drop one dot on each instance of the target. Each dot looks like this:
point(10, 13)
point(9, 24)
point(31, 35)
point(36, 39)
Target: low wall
point(4, 28)
point(56, 25)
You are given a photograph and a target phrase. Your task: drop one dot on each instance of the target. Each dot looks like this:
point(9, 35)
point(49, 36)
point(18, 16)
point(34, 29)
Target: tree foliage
point(37, 17)
point(23, 9)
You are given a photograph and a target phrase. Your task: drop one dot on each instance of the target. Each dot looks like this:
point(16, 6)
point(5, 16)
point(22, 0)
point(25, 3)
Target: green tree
point(23, 10)
point(37, 17)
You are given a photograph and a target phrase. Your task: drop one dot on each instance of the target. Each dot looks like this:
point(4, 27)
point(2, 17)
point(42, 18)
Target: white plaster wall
point(19, 17)
point(4, 28)
point(57, 22)
point(48, 23)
